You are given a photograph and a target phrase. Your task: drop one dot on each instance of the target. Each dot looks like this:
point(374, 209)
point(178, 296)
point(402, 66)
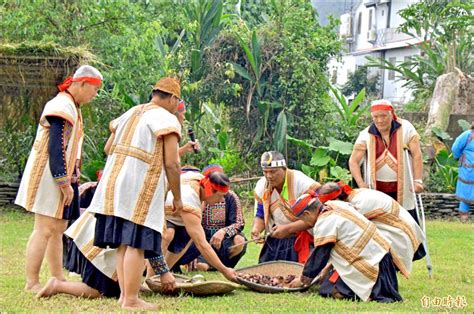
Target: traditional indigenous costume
point(225, 215)
point(97, 266)
point(362, 265)
point(129, 200)
point(275, 209)
point(385, 165)
point(191, 183)
point(55, 156)
point(463, 149)
point(392, 220)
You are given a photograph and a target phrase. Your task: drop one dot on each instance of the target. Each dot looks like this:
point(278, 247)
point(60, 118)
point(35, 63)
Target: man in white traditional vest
point(392, 220)
point(380, 147)
point(274, 194)
point(49, 184)
point(130, 198)
point(362, 266)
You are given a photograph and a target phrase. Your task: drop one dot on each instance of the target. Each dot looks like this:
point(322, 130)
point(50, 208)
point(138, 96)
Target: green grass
point(450, 243)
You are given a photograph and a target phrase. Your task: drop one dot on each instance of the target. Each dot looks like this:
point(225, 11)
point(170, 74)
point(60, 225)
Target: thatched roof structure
point(29, 73)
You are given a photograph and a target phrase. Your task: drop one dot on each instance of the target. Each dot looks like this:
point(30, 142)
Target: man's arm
point(173, 170)
point(354, 166)
point(109, 143)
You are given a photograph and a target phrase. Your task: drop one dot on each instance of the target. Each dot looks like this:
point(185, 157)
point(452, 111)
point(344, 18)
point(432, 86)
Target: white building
point(369, 28)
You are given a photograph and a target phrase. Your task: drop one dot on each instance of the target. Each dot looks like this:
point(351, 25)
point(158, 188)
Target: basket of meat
point(271, 277)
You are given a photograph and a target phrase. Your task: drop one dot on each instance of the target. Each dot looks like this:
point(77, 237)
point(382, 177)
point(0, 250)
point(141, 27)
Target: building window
point(391, 73)
point(370, 19)
point(383, 11)
point(359, 24)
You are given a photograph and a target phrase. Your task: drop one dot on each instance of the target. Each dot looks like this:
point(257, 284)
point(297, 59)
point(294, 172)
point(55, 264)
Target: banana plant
point(254, 73)
point(349, 113)
point(209, 20)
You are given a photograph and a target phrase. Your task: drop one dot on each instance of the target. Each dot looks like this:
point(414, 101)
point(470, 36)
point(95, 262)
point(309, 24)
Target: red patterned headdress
point(208, 185)
point(333, 195)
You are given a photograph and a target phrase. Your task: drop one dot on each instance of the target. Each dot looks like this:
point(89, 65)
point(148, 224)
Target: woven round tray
point(196, 285)
point(275, 268)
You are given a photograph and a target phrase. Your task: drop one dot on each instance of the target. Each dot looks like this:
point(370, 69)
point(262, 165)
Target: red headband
point(209, 187)
point(69, 80)
point(333, 195)
point(384, 107)
point(301, 204)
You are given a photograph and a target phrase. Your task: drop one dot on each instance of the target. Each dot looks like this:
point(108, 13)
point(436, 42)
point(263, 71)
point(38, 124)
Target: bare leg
point(120, 255)
point(238, 239)
point(132, 264)
point(54, 251)
point(168, 236)
point(36, 248)
point(78, 289)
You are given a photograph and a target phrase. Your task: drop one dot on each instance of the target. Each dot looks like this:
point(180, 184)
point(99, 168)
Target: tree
point(446, 28)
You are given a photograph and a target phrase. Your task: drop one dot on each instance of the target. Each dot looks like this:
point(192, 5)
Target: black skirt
point(73, 211)
point(278, 249)
point(385, 289)
point(112, 231)
point(91, 276)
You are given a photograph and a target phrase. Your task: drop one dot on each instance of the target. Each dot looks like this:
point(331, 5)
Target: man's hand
point(189, 147)
point(256, 236)
point(363, 185)
point(168, 282)
point(230, 274)
point(418, 187)
point(68, 194)
point(216, 240)
point(296, 283)
point(280, 232)
point(177, 205)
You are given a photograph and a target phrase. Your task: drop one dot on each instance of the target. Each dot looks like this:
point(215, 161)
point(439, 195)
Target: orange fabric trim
point(120, 160)
point(58, 114)
point(360, 146)
point(150, 184)
point(355, 260)
point(132, 151)
point(37, 171)
point(320, 241)
point(80, 225)
point(371, 160)
point(168, 131)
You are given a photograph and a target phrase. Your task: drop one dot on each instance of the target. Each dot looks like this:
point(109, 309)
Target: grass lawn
point(450, 243)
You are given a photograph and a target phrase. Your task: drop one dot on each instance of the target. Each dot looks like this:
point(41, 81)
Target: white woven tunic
point(39, 192)
point(133, 185)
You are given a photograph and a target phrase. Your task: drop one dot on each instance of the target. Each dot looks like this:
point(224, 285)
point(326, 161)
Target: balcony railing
point(390, 35)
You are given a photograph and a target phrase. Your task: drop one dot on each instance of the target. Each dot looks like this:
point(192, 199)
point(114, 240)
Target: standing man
point(274, 193)
point(49, 184)
point(381, 148)
point(130, 198)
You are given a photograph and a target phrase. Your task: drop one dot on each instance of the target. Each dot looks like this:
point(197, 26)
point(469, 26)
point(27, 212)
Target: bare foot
point(138, 305)
point(120, 300)
point(202, 266)
point(49, 289)
point(34, 288)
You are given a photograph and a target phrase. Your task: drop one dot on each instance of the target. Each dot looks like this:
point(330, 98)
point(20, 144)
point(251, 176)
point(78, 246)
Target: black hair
point(332, 187)
point(219, 178)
